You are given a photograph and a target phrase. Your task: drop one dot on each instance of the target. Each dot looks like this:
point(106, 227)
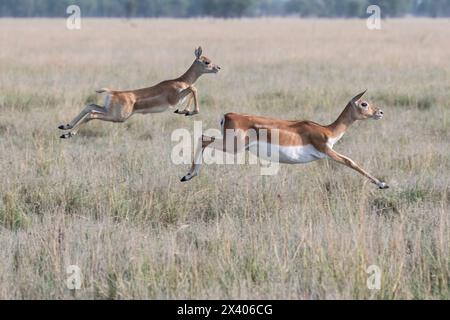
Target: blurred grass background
point(109, 200)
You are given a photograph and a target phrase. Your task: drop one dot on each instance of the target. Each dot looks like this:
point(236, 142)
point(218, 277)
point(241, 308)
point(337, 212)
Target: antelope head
point(363, 110)
point(203, 64)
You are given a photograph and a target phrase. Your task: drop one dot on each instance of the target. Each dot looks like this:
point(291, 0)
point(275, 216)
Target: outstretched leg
point(351, 164)
point(196, 163)
point(91, 116)
point(216, 144)
point(88, 109)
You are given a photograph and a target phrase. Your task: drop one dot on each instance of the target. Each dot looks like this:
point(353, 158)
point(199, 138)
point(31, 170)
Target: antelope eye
point(207, 62)
point(364, 105)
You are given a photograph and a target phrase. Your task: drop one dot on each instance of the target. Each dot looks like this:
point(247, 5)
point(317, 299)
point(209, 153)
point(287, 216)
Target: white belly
point(289, 154)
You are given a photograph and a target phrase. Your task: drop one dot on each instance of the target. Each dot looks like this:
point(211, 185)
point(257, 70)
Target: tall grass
point(110, 200)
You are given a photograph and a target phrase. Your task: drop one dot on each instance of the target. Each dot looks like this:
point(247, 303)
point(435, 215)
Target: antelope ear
point(198, 52)
point(359, 96)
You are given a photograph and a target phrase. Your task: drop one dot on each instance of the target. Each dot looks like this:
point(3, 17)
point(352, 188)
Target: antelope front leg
point(196, 107)
point(351, 164)
point(188, 106)
point(193, 92)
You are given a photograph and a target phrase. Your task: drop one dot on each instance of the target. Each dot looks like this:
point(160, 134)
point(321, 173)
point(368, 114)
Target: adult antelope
point(121, 105)
point(298, 141)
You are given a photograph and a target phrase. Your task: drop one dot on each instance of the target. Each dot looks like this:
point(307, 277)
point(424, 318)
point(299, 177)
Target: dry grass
point(110, 202)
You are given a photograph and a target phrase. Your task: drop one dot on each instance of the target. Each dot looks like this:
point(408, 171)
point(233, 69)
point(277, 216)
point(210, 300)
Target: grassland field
point(110, 201)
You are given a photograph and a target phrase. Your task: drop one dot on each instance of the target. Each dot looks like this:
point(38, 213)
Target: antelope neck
point(343, 122)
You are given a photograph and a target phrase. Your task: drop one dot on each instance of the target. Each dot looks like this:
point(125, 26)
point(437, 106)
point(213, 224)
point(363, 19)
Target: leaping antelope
point(298, 141)
point(121, 105)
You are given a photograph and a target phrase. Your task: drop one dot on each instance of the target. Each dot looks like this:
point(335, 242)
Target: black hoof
point(62, 127)
point(66, 136)
point(181, 112)
point(189, 114)
point(187, 177)
point(383, 186)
